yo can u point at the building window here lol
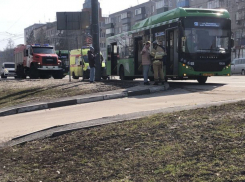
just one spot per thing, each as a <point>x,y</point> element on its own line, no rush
<point>108,20</point>
<point>137,11</point>
<point>161,4</point>
<point>125,28</point>
<point>215,4</point>
<point>124,15</point>
<point>109,31</point>
<point>182,3</point>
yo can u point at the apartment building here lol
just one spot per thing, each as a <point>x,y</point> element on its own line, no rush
<point>28,30</point>
<point>122,21</point>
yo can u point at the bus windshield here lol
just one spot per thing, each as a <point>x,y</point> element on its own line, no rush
<point>43,50</point>
<point>206,40</point>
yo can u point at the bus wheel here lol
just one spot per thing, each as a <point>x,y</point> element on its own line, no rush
<point>121,73</point>
<point>243,72</point>
<point>74,76</point>
<point>202,79</point>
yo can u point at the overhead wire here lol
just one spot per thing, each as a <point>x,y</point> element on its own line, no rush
<point>11,35</point>
<point>32,5</point>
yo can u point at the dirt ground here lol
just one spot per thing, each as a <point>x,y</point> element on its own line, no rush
<point>196,145</point>
<point>14,92</point>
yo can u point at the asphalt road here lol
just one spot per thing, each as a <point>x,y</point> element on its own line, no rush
<point>181,94</point>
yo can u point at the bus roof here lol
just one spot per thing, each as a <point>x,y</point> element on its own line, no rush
<point>173,16</point>
<point>181,12</point>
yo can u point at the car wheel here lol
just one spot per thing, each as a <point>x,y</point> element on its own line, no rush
<point>243,72</point>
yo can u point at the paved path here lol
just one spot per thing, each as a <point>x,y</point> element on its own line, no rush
<point>182,94</point>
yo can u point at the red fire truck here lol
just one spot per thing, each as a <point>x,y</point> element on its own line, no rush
<point>37,61</point>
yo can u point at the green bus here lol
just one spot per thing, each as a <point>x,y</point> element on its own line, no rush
<point>197,41</point>
<point>63,56</point>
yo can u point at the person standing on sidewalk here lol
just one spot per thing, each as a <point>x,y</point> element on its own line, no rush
<point>91,60</point>
<point>146,62</point>
<point>157,53</point>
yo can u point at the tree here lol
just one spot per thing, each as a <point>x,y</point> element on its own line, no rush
<point>10,44</point>
<point>31,39</point>
<point>41,37</point>
<point>8,53</point>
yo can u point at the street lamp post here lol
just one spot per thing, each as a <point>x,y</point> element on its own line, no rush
<point>95,35</point>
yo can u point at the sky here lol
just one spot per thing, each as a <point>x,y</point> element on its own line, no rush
<point>16,15</point>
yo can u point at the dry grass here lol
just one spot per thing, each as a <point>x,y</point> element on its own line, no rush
<point>14,92</point>
<point>197,145</point>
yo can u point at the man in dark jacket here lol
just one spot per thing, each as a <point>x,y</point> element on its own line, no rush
<point>91,60</point>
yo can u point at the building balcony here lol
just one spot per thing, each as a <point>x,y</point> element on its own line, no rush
<point>109,35</point>
<point>139,17</point>
<point>126,27</point>
<point>126,20</point>
<point>162,10</point>
<point>109,25</point>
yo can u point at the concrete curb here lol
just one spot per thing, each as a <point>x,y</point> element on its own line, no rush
<point>68,102</point>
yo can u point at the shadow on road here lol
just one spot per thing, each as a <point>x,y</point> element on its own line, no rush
<point>178,88</point>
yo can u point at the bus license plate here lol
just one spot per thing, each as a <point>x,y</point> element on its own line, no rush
<point>208,74</point>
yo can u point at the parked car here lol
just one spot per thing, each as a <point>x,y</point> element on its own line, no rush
<point>8,70</point>
<point>238,66</point>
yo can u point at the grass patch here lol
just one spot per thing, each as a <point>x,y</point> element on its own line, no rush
<point>197,145</point>
<point>26,91</point>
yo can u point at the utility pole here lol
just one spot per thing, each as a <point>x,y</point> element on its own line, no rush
<point>95,35</point>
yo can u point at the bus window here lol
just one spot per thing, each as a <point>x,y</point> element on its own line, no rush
<point>115,49</point>
<point>109,49</point>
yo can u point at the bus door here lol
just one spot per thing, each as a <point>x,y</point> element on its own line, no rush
<point>138,46</point>
<point>172,52</point>
<point>113,55</point>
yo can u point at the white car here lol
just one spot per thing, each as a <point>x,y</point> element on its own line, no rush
<point>238,66</point>
<point>8,70</point>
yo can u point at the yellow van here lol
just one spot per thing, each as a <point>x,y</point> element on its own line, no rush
<point>79,64</point>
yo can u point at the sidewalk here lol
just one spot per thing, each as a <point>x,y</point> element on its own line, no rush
<point>133,91</point>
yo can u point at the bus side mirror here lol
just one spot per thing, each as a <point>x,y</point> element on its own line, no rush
<point>232,43</point>
<point>59,53</point>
